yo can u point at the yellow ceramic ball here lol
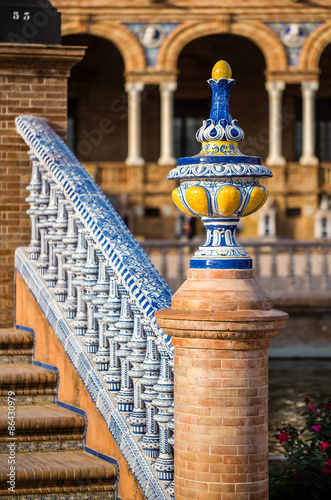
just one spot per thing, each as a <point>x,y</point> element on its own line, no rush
<point>196,199</point>
<point>221,70</point>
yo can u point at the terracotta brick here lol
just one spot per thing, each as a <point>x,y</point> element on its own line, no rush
<point>234,375</point>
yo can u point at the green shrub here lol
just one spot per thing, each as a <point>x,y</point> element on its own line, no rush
<point>306,472</point>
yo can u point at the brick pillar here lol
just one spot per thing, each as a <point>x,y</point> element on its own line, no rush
<point>221,322</point>
<point>33,79</point>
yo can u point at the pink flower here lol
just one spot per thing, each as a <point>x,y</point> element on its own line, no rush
<point>298,477</point>
<point>316,428</point>
<point>311,407</point>
<point>283,438</point>
<point>307,400</point>
<point>327,469</point>
<point>324,445</point>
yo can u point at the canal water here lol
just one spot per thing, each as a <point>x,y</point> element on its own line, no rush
<point>290,381</point>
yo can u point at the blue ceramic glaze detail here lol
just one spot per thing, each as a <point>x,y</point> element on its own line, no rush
<point>193,160</point>
<point>220,184</point>
<point>219,170</point>
<point>221,263</point>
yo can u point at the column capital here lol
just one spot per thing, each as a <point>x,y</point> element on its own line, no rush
<point>168,86</point>
<point>133,87</point>
<point>275,86</point>
<point>309,87</point>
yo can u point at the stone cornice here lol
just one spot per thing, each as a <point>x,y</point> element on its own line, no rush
<point>157,15</point>
<point>54,60</point>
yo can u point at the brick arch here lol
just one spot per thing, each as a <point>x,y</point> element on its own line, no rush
<point>262,36</point>
<point>125,41</point>
<point>312,50</point>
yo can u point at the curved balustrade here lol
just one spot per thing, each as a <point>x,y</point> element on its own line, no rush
<point>107,291</point>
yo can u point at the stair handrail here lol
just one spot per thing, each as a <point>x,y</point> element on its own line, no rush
<point>107,290</point>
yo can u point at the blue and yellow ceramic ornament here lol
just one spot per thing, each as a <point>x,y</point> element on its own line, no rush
<point>220,184</point>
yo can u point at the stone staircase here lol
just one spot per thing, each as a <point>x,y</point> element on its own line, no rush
<point>48,456</point>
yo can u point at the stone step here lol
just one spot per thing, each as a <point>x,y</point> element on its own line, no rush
<point>48,441</point>
<point>75,471</point>
<point>26,379</point>
<point>15,346</point>
<point>42,428</point>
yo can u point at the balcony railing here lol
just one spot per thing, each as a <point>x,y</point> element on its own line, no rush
<point>99,291</point>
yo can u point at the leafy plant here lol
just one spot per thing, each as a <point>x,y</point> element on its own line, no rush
<point>306,472</point>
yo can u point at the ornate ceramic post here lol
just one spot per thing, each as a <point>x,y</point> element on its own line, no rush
<point>113,308</point>
<point>80,323</point>
<point>151,441</point>
<point>124,398</point>
<point>137,345</point>
<point>61,225</point>
<point>70,240</point>
<point>35,188</point>
<point>102,289</point>
<point>220,321</point>
<point>43,201</point>
<point>91,272</point>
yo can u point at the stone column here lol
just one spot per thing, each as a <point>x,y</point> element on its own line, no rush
<point>167,90</point>
<point>275,90</point>
<point>221,323</point>
<point>134,90</point>
<point>308,90</point>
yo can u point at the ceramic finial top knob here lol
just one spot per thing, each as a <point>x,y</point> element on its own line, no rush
<point>221,69</point>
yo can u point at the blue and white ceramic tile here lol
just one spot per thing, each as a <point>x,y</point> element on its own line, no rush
<point>151,37</point>
<point>93,380</point>
<point>125,254</point>
<point>293,36</point>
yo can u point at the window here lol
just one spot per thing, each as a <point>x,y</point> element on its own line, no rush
<point>152,212</point>
<point>293,212</point>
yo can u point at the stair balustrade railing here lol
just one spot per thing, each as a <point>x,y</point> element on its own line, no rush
<point>99,291</point>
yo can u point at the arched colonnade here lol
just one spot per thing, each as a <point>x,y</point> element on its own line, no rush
<point>165,74</point>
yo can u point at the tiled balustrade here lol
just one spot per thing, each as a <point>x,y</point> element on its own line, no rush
<point>99,292</point>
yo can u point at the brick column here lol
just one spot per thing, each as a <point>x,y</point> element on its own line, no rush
<point>221,322</point>
<point>33,79</point>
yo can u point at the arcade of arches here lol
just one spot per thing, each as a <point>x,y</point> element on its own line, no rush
<point>127,128</point>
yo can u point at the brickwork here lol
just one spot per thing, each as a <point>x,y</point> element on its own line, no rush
<point>221,404</point>
<point>221,323</point>
<point>118,34</point>
<point>33,79</point>
<point>313,48</point>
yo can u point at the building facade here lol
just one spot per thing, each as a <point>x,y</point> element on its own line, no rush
<point>135,101</point>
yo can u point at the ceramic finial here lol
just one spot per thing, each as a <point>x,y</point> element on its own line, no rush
<point>221,69</point>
